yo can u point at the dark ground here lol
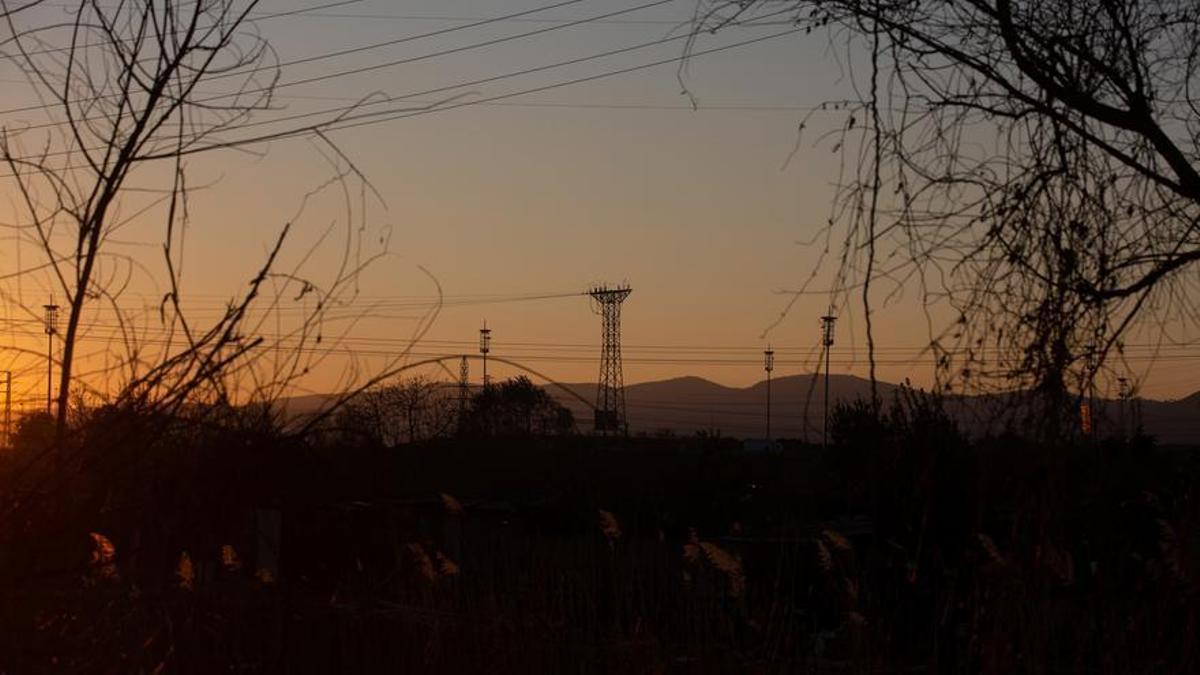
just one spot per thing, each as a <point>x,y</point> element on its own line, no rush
<point>902,548</point>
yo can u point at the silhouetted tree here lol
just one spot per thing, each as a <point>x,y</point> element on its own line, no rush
<point>33,433</point>
<point>126,93</point>
<point>517,407</point>
<point>1034,164</point>
<point>125,87</point>
<point>408,411</point>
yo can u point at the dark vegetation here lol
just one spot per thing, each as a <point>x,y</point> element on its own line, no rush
<point>903,547</point>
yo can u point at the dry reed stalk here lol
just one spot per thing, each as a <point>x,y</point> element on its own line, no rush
<point>824,557</point>
<point>837,540</point>
<point>610,527</point>
<point>729,564</point>
<point>453,506</point>
<point>103,558</point>
<point>423,562</point>
<point>989,546</point>
<point>1173,551</point>
<point>229,558</point>
<point>185,572</point>
<point>446,566</point>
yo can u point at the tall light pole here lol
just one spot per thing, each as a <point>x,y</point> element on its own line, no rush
<point>768,365</point>
<point>1087,406</point>
<point>1125,392</point>
<point>827,322</point>
<point>485,346</point>
<point>51,328</point>
<point>8,408</point>
<point>464,392</point>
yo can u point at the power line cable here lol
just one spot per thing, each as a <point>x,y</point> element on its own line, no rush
<point>1147,350</point>
<point>354,71</point>
<point>379,117</point>
<point>341,112</point>
<point>256,19</point>
<point>378,45</point>
<point>290,344</point>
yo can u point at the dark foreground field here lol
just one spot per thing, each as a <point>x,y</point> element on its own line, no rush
<point>900,549</point>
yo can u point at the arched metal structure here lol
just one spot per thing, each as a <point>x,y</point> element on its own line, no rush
<point>440,361</point>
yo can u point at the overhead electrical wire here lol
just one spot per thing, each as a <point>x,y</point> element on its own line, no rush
<point>252,70</point>
<point>254,19</point>
<point>406,98</point>
<point>364,347</point>
<point>341,117</point>
<point>369,119</point>
<point>444,18</point>
<point>1137,350</point>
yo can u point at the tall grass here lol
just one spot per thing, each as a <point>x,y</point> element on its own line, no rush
<point>926,554</point>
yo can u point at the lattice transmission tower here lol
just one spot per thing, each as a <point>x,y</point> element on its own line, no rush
<point>610,391</point>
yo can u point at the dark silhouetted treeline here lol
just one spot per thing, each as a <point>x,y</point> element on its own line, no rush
<point>150,544</point>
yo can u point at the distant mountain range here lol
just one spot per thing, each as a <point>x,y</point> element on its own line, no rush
<point>686,405</point>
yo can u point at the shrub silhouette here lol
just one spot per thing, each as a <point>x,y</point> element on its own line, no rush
<point>34,432</point>
<point>517,407</point>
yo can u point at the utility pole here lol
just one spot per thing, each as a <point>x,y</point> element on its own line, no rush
<point>1135,410</point>
<point>768,365</point>
<point>1123,393</point>
<point>827,323</point>
<point>485,346</point>
<point>610,391</point>
<point>51,328</point>
<point>464,392</point>
<point>1087,407</point>
<point>7,408</point>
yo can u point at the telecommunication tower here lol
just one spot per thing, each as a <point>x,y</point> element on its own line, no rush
<point>827,323</point>
<point>610,392</point>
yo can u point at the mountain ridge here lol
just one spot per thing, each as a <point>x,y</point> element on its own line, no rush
<point>688,404</point>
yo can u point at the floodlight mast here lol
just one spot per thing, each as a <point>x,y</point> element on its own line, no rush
<point>827,323</point>
<point>51,327</point>
<point>485,346</point>
<point>768,365</point>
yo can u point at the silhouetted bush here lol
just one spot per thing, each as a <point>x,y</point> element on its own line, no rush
<point>33,432</point>
<point>516,407</point>
<point>902,547</point>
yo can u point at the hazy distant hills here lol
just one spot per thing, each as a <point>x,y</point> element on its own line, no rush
<point>686,405</point>
<point>689,404</point>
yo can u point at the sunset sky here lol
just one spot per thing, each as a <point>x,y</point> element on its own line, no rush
<point>504,201</point>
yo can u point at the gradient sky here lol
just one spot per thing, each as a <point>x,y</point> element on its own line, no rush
<point>614,180</point>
